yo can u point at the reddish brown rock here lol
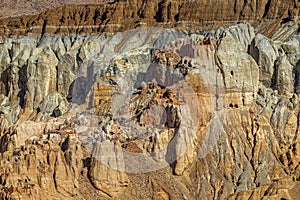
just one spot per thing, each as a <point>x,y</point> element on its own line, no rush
<point>124,15</point>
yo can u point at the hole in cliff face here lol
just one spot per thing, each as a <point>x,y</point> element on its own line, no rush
<point>56,112</point>
<point>151,139</point>
<point>231,105</point>
<point>231,73</point>
<point>104,16</point>
<point>159,16</point>
<point>176,17</point>
<point>86,162</point>
<point>172,118</point>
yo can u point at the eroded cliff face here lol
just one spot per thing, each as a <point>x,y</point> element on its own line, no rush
<point>152,113</point>
<point>123,15</point>
<point>16,8</point>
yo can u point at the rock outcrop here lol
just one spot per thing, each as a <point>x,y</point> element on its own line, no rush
<point>41,168</point>
<point>124,15</point>
<point>107,169</point>
<point>150,113</point>
<point>16,8</point>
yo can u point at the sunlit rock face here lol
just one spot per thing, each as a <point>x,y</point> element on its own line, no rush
<point>150,113</point>
<point>98,16</point>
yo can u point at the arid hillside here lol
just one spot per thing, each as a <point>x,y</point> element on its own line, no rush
<point>150,99</point>
<point>123,15</point>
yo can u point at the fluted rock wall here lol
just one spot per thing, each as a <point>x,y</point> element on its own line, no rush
<point>124,15</point>
<point>217,114</point>
<point>151,113</point>
<point>16,8</point>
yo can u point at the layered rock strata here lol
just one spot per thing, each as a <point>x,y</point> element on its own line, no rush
<point>151,113</point>
<point>124,15</point>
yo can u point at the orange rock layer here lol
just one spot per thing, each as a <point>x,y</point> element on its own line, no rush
<point>123,15</point>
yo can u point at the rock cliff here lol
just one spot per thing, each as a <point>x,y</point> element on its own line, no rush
<point>123,15</point>
<point>151,113</point>
<point>15,8</point>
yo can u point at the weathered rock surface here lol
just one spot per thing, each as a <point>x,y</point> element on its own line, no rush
<point>53,105</point>
<point>240,70</point>
<point>15,8</point>
<point>107,168</point>
<point>151,113</point>
<point>42,168</point>
<point>124,15</point>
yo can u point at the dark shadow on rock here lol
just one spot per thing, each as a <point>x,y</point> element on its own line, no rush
<point>56,112</point>
<point>70,92</point>
<point>79,90</point>
<point>171,155</point>
<point>81,86</point>
<point>186,50</point>
<point>297,77</point>
<point>4,80</point>
<point>22,83</point>
<point>163,75</point>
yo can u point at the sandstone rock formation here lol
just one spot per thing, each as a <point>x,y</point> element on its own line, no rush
<point>123,15</point>
<point>13,8</point>
<point>151,113</point>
